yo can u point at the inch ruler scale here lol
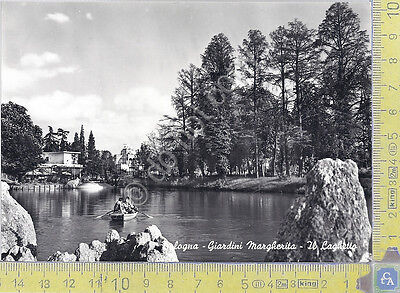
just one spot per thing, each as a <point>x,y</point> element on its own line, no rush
<point>180,277</point>
<point>212,277</point>
<point>386,127</point>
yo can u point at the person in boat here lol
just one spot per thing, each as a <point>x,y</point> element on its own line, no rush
<point>119,206</point>
<point>129,206</point>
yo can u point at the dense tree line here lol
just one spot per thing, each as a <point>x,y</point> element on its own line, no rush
<point>21,141</point>
<point>22,145</point>
<point>273,107</point>
<point>95,162</point>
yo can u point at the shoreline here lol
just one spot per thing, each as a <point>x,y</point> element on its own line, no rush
<point>43,186</point>
<point>294,185</point>
<point>291,185</point>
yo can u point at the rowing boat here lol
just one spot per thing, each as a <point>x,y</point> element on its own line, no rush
<point>123,217</point>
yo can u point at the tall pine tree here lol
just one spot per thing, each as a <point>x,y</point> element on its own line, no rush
<point>279,57</point>
<point>91,147</point>
<point>303,70</point>
<point>75,146</point>
<point>93,164</point>
<point>185,102</point>
<point>254,61</point>
<point>346,67</point>
<point>51,141</point>
<point>219,68</point>
<point>63,137</point>
<point>82,147</point>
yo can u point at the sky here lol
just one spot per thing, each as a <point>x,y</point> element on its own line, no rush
<point>113,66</point>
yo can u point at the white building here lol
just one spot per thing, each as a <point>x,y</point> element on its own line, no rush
<point>124,161</point>
<point>64,162</point>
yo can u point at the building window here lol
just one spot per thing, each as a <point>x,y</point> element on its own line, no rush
<point>74,159</point>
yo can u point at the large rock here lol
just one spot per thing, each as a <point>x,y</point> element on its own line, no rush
<point>26,255</point>
<point>160,251</point>
<point>98,248</point>
<point>17,228</point>
<point>18,253</point>
<point>8,258</point>
<point>85,254</point>
<point>149,246</point>
<point>333,211</point>
<point>62,257</point>
<point>112,236</point>
<point>154,232</point>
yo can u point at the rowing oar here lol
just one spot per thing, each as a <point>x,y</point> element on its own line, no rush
<point>98,217</point>
<point>146,215</point>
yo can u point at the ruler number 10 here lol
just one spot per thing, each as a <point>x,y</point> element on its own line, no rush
<point>392,8</point>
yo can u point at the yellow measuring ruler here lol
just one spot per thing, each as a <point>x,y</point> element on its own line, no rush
<point>386,126</point>
<point>179,277</point>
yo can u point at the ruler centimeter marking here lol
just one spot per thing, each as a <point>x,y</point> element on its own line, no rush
<point>386,126</point>
<point>155,277</point>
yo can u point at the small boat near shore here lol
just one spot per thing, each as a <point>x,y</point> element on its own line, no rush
<point>123,217</point>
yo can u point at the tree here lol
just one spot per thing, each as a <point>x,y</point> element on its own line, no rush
<point>56,141</point>
<point>279,62</point>
<point>254,61</point>
<point>93,164</point>
<point>189,88</point>
<point>270,119</point>
<point>317,121</point>
<point>178,127</point>
<point>63,138</point>
<point>303,61</point>
<point>21,141</point>
<point>75,146</point>
<point>91,147</point>
<point>303,96</point>
<point>107,165</point>
<point>185,102</point>
<point>346,68</point>
<point>364,118</point>
<point>51,141</point>
<point>82,147</point>
<point>141,157</point>
<point>219,68</point>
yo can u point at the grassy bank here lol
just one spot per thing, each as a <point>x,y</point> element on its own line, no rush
<point>263,184</point>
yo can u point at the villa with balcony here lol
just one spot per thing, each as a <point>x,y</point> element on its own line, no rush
<point>62,164</point>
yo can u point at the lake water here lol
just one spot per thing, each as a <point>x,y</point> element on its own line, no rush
<point>65,218</point>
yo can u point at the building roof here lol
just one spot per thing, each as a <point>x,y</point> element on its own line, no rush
<point>79,166</point>
<point>62,152</point>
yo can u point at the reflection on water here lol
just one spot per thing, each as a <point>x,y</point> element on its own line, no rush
<point>64,218</point>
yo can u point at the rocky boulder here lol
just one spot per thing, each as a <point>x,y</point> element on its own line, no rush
<point>148,246</point>
<point>84,253</point>
<point>18,237</point>
<point>332,217</point>
<point>112,236</point>
<point>18,253</point>
<point>98,248</point>
<point>62,257</point>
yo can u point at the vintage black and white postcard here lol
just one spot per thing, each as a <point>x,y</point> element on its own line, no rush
<point>186,131</point>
